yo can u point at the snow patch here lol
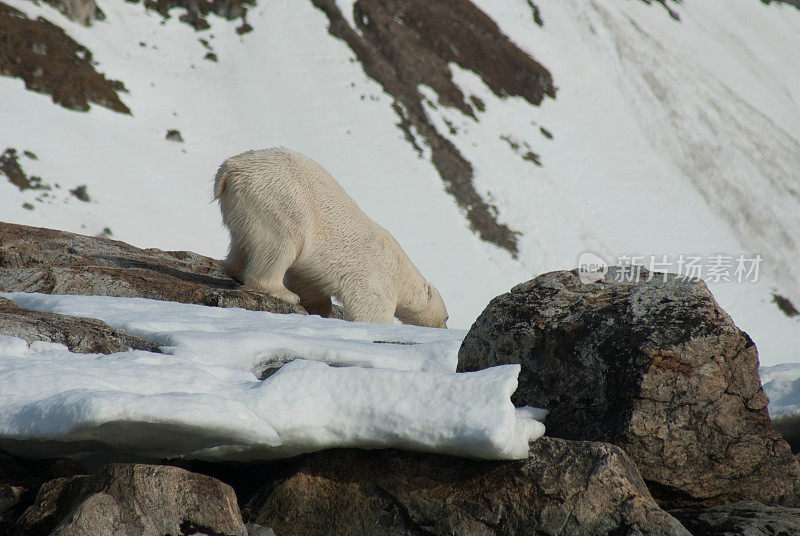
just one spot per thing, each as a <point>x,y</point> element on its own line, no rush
<point>344,385</point>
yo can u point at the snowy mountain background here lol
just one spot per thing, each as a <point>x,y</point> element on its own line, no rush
<point>627,128</point>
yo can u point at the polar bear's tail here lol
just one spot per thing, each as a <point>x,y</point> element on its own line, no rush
<point>221,180</point>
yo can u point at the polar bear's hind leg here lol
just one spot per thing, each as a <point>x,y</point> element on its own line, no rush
<point>265,271</point>
<point>235,263</point>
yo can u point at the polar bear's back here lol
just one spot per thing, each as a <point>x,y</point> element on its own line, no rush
<point>279,194</point>
<point>288,183</point>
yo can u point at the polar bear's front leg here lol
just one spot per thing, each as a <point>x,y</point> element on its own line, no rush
<point>371,307</point>
<point>312,296</point>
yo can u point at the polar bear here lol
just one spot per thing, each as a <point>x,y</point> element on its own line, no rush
<point>297,236</point>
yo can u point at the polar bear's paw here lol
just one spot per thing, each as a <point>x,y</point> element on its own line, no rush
<point>277,291</point>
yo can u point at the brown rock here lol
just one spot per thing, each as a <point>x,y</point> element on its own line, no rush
<point>132,499</point>
<point>34,259</point>
<point>746,518</point>
<point>20,480</point>
<point>405,44</point>
<point>196,12</point>
<point>565,487</point>
<point>82,335</point>
<point>50,61</point>
<point>656,367</point>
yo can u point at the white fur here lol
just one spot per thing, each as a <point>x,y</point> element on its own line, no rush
<point>298,236</point>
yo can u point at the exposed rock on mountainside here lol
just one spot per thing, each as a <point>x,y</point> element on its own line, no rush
<point>141,500</point>
<point>82,335</point>
<point>666,4</point>
<point>656,367</point>
<point>564,487</point>
<point>10,167</point>
<point>795,3</point>
<point>49,261</point>
<point>81,11</point>
<point>197,11</point>
<point>49,61</point>
<point>403,45</point>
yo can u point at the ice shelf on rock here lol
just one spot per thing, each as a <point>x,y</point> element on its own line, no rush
<point>338,384</point>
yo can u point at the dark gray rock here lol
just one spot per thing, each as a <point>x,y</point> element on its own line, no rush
<point>133,499</point>
<point>9,497</point>
<point>254,529</point>
<point>174,135</point>
<point>740,519</point>
<point>34,259</point>
<point>789,428</point>
<point>82,335</point>
<point>80,193</point>
<point>20,480</point>
<point>656,367</point>
<point>564,487</point>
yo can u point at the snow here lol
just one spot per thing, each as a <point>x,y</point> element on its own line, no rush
<point>341,384</point>
<point>782,385</point>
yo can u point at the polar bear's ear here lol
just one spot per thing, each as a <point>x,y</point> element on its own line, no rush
<point>429,288</point>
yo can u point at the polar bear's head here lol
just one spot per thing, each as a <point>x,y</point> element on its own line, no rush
<point>430,311</point>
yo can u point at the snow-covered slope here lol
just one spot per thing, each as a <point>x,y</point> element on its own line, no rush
<point>665,137</point>
<point>782,384</point>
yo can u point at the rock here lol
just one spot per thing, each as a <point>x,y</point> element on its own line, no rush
<point>656,367</point>
<point>34,259</point>
<point>80,193</point>
<point>564,487</point>
<point>9,498</point>
<point>133,499</point>
<point>405,44</point>
<point>789,427</point>
<point>745,518</point>
<point>20,480</point>
<point>197,12</point>
<point>81,11</point>
<point>254,529</point>
<point>50,61</point>
<point>82,335</point>
<point>174,135</point>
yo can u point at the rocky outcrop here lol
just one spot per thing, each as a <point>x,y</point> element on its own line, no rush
<point>564,487</point>
<point>653,365</point>
<point>33,259</point>
<point>789,428</point>
<point>50,61</point>
<point>81,11</point>
<point>82,335</point>
<point>746,518</point>
<point>20,480</point>
<point>404,45</point>
<point>196,12</point>
<point>140,500</point>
